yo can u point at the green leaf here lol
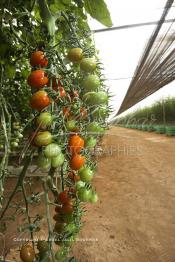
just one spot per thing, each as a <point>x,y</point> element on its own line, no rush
<point>99,11</point>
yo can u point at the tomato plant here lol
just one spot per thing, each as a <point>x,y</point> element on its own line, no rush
<point>49,46</point>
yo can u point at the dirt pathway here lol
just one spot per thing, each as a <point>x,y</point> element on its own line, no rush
<point>134,220</point>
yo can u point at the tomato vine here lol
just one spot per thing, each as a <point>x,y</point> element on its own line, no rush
<point>54,106</point>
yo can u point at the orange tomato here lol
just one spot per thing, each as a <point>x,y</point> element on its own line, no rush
<point>76,143</point>
<point>27,253</point>
<point>37,79</point>
<point>77,161</point>
<point>38,59</point>
<point>40,100</point>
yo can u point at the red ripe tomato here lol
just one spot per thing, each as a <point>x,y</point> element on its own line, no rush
<point>67,208</point>
<point>37,79</point>
<point>76,143</point>
<point>38,59</point>
<point>64,197</point>
<point>62,93</point>
<point>27,253</point>
<point>39,100</point>
<point>77,161</point>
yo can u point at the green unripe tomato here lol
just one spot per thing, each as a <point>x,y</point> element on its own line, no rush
<point>75,54</point>
<point>91,83</point>
<point>93,197</point>
<point>95,98</point>
<point>71,125</point>
<point>19,135</point>
<point>88,65</point>
<point>60,255</point>
<point>79,184</point>
<point>69,241</point>
<point>57,161</point>
<point>94,127</point>
<point>52,150</point>
<point>86,174</point>
<point>70,227</point>
<point>43,162</point>
<point>44,120</point>
<point>42,246</point>
<point>16,127</point>
<point>43,138</point>
<point>84,194</point>
<point>100,112</point>
<point>90,142</point>
<point>14,144</point>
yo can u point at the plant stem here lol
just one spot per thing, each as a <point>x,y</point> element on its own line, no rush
<point>27,210</point>
<point>72,29</point>
<point>19,182</point>
<point>48,220</point>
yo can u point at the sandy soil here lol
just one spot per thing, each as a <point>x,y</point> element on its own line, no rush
<point>134,220</point>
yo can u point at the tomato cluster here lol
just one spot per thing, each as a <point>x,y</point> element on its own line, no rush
<point>81,128</point>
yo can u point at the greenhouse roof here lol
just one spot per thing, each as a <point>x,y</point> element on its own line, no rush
<point>122,47</point>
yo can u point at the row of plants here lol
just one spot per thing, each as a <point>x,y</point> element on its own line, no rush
<point>54,104</point>
<point>157,113</point>
<point>160,129</point>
